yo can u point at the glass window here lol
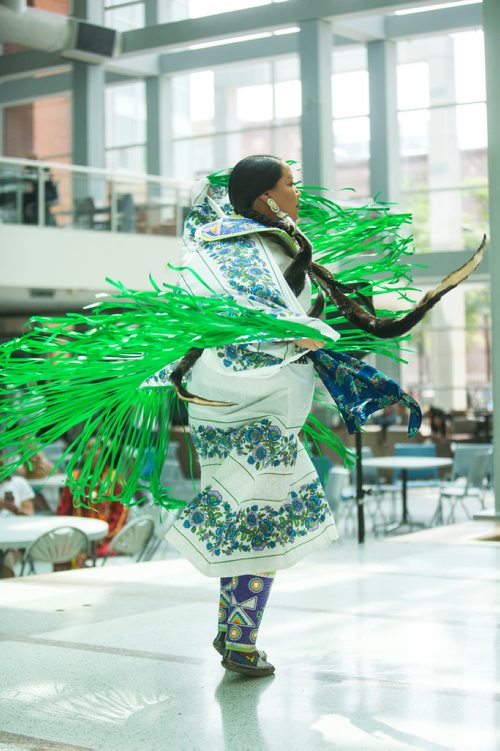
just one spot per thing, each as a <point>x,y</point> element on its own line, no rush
<point>132,158</point>
<point>443,139</point>
<point>352,139</point>
<point>351,122</point>
<point>254,103</point>
<point>219,116</point>
<point>470,80</point>
<point>126,126</point>
<point>288,99</point>
<point>463,331</point>
<point>124,15</point>
<point>125,114</point>
<point>201,96</point>
<point>413,86</point>
<point>350,94</point>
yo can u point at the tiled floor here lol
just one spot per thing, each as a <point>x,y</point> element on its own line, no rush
<point>393,645</point>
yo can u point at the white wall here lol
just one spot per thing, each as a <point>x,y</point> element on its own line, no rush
<point>57,259</point>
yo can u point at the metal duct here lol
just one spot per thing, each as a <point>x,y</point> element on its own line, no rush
<point>34,28</point>
<point>52,32</point>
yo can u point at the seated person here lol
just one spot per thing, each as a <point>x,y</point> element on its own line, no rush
<point>439,424</point>
<point>387,416</point>
<point>112,512</point>
<point>16,497</point>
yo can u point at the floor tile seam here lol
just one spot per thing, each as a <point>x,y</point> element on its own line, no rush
<point>100,649</point>
<point>328,677</point>
<point>42,743</point>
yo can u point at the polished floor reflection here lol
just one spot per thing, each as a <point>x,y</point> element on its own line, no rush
<point>392,646</point>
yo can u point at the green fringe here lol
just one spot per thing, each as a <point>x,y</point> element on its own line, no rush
<point>54,378</point>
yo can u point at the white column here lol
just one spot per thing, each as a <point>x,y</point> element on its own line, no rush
<point>491,16</point>
<point>315,51</point>
<point>384,132</point>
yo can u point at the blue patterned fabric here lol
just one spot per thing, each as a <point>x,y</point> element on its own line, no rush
<point>359,389</point>
<point>245,598</point>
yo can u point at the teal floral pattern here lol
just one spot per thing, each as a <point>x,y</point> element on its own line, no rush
<point>240,265</point>
<point>242,356</point>
<point>262,443</point>
<point>224,530</point>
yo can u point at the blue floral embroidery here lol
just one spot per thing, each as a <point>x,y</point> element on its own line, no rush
<point>263,444</point>
<point>241,266</point>
<point>224,530</point>
<point>242,357</point>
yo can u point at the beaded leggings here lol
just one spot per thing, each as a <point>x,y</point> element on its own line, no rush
<point>241,607</point>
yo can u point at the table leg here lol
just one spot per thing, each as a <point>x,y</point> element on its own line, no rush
<point>406,524</point>
<point>404,491</point>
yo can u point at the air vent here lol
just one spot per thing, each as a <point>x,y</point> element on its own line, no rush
<point>35,292</point>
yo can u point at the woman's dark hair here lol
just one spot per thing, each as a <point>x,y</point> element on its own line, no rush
<point>251,177</point>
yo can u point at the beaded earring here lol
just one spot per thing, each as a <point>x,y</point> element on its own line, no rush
<point>273,206</point>
<point>285,218</point>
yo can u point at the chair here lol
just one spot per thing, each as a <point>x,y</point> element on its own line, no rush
<point>341,494</point>
<point>60,545</point>
<point>464,457</point>
<point>162,520</point>
<point>132,539</point>
<point>456,493</point>
<point>417,478</point>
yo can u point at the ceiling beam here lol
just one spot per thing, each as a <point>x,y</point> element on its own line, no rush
<point>24,63</point>
<point>252,49</point>
<point>434,22</point>
<point>252,20</point>
<point>28,89</point>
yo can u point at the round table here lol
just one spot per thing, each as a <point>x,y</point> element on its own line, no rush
<point>405,464</point>
<point>17,532</point>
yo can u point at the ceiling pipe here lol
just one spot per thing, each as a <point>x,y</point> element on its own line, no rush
<point>53,32</point>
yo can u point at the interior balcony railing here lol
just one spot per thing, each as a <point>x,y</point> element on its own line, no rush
<point>68,196</point>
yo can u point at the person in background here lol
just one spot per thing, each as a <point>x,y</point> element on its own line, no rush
<point>112,512</point>
<point>16,498</point>
<point>31,192</point>
<point>439,424</point>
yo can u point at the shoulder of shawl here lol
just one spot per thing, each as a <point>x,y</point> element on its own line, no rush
<point>234,226</point>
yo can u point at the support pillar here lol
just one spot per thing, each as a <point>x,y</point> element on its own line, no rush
<point>315,52</point>
<point>384,144</point>
<point>88,123</point>
<point>491,18</point>
<point>384,131</point>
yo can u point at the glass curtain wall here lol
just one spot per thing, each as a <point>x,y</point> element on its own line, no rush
<point>443,139</point>
<point>221,115</point>
<point>466,342</point>
<point>351,122</point>
<point>124,15</point>
<point>126,126</point>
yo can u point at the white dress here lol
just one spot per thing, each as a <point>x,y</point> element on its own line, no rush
<point>261,506</point>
